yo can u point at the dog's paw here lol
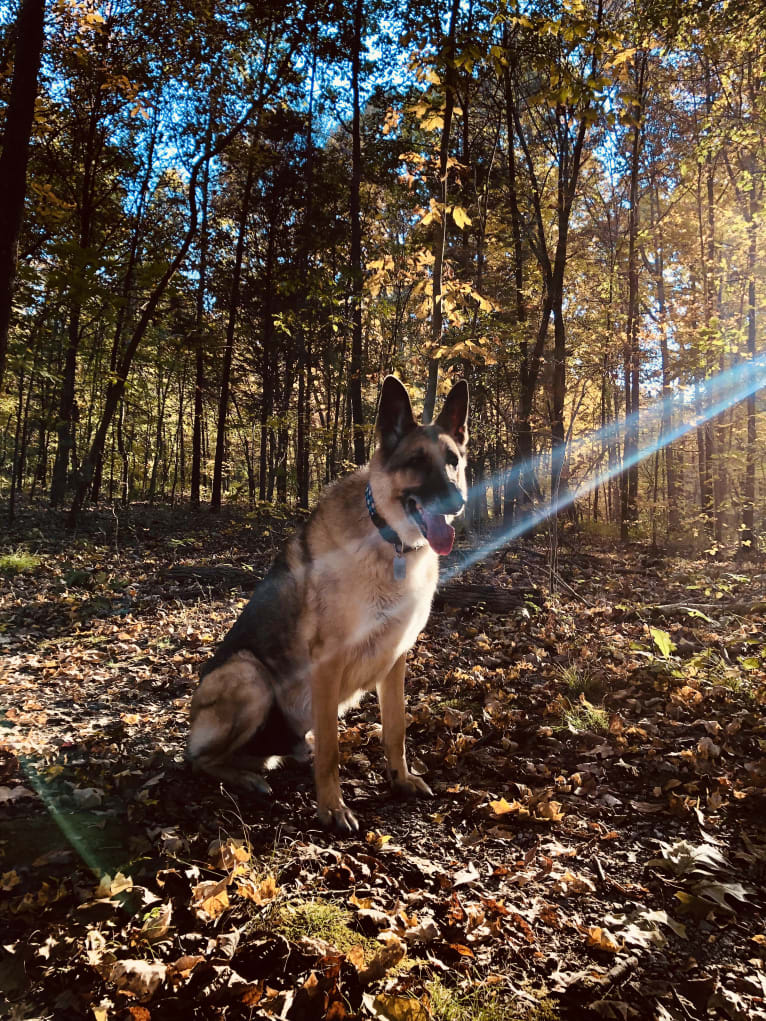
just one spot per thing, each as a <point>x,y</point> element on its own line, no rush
<point>410,786</point>
<point>254,782</point>
<point>340,818</point>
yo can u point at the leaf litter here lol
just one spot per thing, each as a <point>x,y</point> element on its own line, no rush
<point>596,846</point>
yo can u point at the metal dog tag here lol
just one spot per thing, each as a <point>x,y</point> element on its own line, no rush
<point>400,567</point>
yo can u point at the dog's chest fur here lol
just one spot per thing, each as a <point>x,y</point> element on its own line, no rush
<point>381,621</point>
<point>374,618</point>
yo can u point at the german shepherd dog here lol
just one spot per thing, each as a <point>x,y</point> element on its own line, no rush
<point>338,611</point>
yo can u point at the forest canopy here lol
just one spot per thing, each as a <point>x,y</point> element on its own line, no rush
<point>227,222</point>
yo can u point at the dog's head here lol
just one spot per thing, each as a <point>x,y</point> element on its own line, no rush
<point>418,474</point>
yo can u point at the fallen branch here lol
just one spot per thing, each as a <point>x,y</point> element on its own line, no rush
<point>487,597</point>
<point>220,576</point>
<point>680,610</point>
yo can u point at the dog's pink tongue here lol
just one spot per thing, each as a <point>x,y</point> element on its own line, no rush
<point>440,535</point>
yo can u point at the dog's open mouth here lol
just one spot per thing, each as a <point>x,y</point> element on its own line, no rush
<point>435,527</point>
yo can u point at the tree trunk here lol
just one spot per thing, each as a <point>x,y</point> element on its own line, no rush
<point>116,387</point>
<point>747,532</point>
<point>629,479</point>
<point>515,495</point>
<point>199,338</point>
<point>302,464</point>
<point>357,282</point>
<point>19,115</point>
<point>440,227</point>
<point>223,402</point>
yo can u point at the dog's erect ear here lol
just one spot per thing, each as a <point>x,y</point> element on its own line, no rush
<point>454,415</point>
<point>395,418</point>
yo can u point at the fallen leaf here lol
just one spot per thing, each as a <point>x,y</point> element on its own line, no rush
<point>140,978</point>
<point>157,923</point>
<point>258,892</point>
<point>503,807</point>
<point>396,1008</point>
<point>210,898</point>
<point>225,854</point>
<point>602,939</point>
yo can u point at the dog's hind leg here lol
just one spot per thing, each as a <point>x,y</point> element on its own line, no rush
<point>228,707</point>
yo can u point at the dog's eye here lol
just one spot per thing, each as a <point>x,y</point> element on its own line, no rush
<point>451,458</point>
<point>416,461</point>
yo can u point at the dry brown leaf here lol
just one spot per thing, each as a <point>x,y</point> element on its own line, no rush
<point>550,810</point>
<point>258,892</point>
<point>503,807</point>
<point>157,925</point>
<point>225,854</point>
<point>210,898</point>
<point>180,970</point>
<point>397,1008</point>
<point>602,939</point>
<point>141,979</point>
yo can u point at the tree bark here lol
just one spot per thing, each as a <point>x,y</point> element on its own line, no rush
<point>19,116</point>
<point>747,532</point>
<point>228,355</point>
<point>357,281</point>
<point>199,320</point>
<point>632,355</point>
<point>68,402</point>
<point>116,387</point>
<point>440,229</point>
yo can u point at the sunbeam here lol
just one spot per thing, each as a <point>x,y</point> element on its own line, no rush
<point>714,396</point>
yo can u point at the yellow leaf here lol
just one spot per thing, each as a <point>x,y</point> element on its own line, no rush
<point>9,879</point>
<point>225,854</point>
<point>109,887</point>
<point>461,218</point>
<point>377,840</point>
<point>602,939</point>
<point>398,1008</point>
<point>503,807</point>
<point>210,899</point>
<point>550,810</point>
<point>623,56</point>
<point>258,893</point>
<point>365,903</point>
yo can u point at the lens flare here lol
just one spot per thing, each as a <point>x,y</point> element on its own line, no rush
<point>696,404</point>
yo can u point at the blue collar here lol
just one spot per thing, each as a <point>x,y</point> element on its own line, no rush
<point>386,531</point>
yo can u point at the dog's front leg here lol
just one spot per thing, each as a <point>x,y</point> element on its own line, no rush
<point>332,809</point>
<point>391,698</point>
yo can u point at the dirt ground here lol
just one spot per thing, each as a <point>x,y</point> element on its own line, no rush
<point>596,846</point>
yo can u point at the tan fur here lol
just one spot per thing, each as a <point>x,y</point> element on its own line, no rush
<point>354,624</point>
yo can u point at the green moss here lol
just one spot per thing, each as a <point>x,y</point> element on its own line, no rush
<point>321,919</point>
<point>483,1003</point>
<point>18,562</point>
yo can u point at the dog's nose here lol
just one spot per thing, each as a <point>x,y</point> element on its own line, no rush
<point>450,502</point>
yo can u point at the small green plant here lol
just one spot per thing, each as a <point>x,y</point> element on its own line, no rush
<point>482,1003</point>
<point>18,562</point>
<point>581,682</point>
<point>582,715</point>
<point>711,668</point>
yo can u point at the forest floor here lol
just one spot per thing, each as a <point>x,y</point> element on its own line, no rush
<point>596,846</point>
